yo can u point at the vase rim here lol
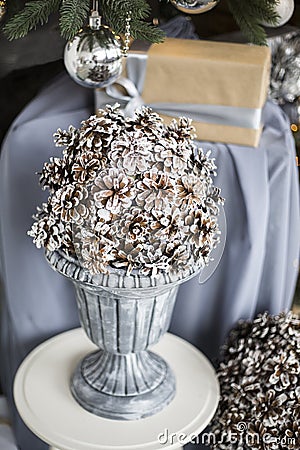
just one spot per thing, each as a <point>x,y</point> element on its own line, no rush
<point>70,267</point>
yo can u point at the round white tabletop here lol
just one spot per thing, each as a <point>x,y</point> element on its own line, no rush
<point>45,403</point>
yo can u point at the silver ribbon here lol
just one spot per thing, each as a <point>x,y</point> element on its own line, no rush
<point>213,114</point>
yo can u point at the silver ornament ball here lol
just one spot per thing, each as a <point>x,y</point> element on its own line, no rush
<point>284,9</point>
<point>94,57</point>
<point>194,6</point>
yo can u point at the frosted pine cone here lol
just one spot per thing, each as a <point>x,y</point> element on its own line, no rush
<point>63,138</point>
<point>68,239</point>
<point>68,203</point>
<point>113,190</point>
<point>189,189</point>
<point>147,122</point>
<point>285,369</point>
<point>168,224</point>
<point>97,133</point>
<point>86,168</point>
<point>113,113</point>
<point>155,190</point>
<point>47,231</point>
<point>131,152</point>
<point>200,228</point>
<point>171,156</point>
<point>152,258</point>
<point>292,434</point>
<point>181,131</point>
<point>269,407</point>
<point>95,251</point>
<point>55,174</point>
<point>127,256</point>
<point>203,166</point>
<point>96,258</point>
<point>178,257</point>
<point>133,226</point>
<point>102,228</point>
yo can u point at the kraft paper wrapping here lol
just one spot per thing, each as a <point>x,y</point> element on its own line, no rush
<point>212,73</point>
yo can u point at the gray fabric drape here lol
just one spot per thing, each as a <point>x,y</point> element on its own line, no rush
<point>257,272</point>
<point>36,303</point>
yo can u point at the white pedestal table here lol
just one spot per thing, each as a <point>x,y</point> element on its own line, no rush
<point>46,405</point>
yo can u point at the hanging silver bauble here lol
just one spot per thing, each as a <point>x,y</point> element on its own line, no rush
<point>194,6</point>
<point>94,57</point>
<point>284,9</point>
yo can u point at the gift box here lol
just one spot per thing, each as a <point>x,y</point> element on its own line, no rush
<point>221,86</point>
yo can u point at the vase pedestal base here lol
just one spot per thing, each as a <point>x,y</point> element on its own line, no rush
<point>44,401</point>
<point>123,387</point>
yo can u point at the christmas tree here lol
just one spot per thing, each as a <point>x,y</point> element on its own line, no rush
<point>73,15</point>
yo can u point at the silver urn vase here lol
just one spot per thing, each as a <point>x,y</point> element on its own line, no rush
<point>122,315</point>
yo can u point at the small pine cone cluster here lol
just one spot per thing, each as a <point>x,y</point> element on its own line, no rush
<point>260,386</point>
<point>132,194</point>
<point>49,231</point>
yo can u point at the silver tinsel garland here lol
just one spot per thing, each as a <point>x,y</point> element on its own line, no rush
<point>285,73</point>
<point>260,386</point>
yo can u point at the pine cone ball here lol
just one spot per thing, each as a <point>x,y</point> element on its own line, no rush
<point>260,385</point>
<point>131,194</point>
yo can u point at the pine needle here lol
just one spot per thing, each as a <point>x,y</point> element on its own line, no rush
<point>73,14</point>
<point>116,11</point>
<point>34,13</point>
<point>249,15</point>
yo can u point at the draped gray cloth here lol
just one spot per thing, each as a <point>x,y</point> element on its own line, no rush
<point>257,272</point>
<point>37,303</point>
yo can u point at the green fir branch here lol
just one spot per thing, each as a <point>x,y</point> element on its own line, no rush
<point>262,11</point>
<point>34,13</point>
<point>73,15</point>
<point>250,14</point>
<point>115,13</point>
<point>147,32</point>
